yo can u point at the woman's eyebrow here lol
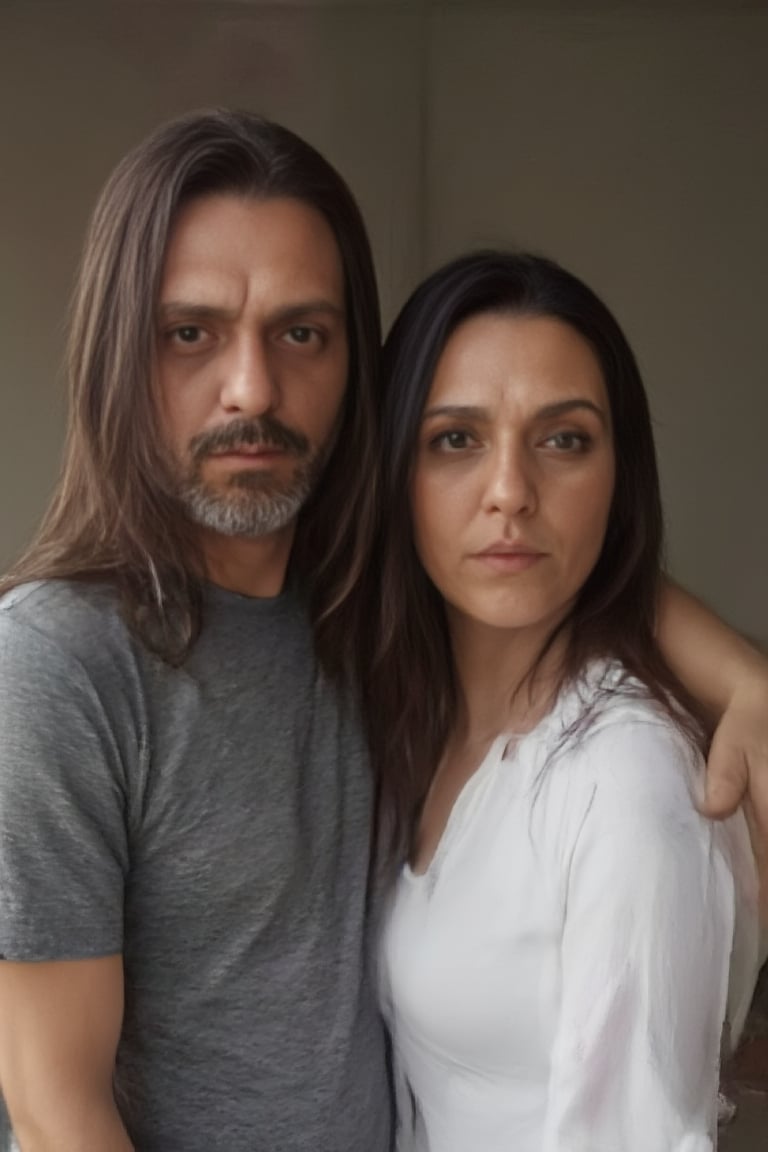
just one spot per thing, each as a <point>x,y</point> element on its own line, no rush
<point>548,411</point>
<point>562,407</point>
<point>466,411</point>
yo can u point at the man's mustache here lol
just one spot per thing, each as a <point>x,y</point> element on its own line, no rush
<point>266,431</point>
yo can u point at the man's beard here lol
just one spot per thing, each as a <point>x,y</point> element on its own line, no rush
<point>252,502</point>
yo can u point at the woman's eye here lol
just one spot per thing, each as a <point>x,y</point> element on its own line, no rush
<point>453,441</point>
<point>568,441</point>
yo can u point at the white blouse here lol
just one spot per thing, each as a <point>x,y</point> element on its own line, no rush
<point>557,980</point>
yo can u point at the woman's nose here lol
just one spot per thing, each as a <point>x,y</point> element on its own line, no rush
<point>511,486</point>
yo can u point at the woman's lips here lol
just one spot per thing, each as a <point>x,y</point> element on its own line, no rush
<point>509,560</point>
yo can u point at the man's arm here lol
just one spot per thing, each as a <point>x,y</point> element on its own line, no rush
<point>61,1025</point>
<point>65,755</point>
<point>730,678</point>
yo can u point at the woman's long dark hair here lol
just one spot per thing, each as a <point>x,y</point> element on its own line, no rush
<point>114,515</point>
<point>405,658</point>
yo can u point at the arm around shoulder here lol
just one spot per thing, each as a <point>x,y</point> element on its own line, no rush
<point>61,1026</point>
<point>730,678</point>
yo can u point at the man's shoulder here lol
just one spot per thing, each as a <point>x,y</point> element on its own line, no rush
<point>59,593</point>
<point>78,618</point>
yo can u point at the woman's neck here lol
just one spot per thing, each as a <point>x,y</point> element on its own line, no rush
<point>500,685</point>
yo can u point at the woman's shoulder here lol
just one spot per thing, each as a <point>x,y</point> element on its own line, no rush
<point>608,735</point>
<point>606,703</point>
<point>605,693</point>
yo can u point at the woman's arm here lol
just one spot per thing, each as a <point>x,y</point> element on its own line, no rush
<point>730,678</point>
<point>649,921</point>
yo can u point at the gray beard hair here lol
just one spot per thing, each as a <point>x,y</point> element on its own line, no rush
<point>251,505</point>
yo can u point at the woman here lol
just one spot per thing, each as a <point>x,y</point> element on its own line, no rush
<point>556,955</point>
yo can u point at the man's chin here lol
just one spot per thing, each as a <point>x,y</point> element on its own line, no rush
<point>235,514</point>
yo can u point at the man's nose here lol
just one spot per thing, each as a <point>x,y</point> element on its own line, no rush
<point>511,481</point>
<point>249,381</point>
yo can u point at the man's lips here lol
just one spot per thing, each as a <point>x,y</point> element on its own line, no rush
<point>265,439</point>
<point>253,452</point>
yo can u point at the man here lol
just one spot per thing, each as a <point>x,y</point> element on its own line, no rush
<point>184,802</point>
<point>185,819</point>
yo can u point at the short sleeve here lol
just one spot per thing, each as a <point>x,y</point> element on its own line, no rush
<point>649,919</point>
<point>63,838</point>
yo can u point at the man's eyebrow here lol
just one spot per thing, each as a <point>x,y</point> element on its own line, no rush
<point>308,308</point>
<point>549,411</point>
<point>167,309</point>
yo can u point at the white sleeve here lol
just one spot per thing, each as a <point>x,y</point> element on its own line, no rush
<point>646,944</point>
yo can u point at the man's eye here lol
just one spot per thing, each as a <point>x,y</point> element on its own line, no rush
<point>301,334</point>
<point>186,333</point>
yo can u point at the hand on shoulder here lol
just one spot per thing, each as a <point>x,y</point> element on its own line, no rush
<point>737,770</point>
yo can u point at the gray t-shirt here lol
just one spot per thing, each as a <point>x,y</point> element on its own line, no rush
<point>212,823</point>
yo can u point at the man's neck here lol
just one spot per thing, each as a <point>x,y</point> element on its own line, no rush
<point>249,565</point>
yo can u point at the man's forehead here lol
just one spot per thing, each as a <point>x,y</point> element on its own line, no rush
<point>225,248</point>
<point>256,225</point>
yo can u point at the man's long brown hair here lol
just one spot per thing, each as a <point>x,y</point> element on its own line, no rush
<point>113,515</point>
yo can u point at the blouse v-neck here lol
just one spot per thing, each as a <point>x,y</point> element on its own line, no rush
<point>460,815</point>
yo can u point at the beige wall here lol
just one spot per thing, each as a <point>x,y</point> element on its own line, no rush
<point>627,139</point>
